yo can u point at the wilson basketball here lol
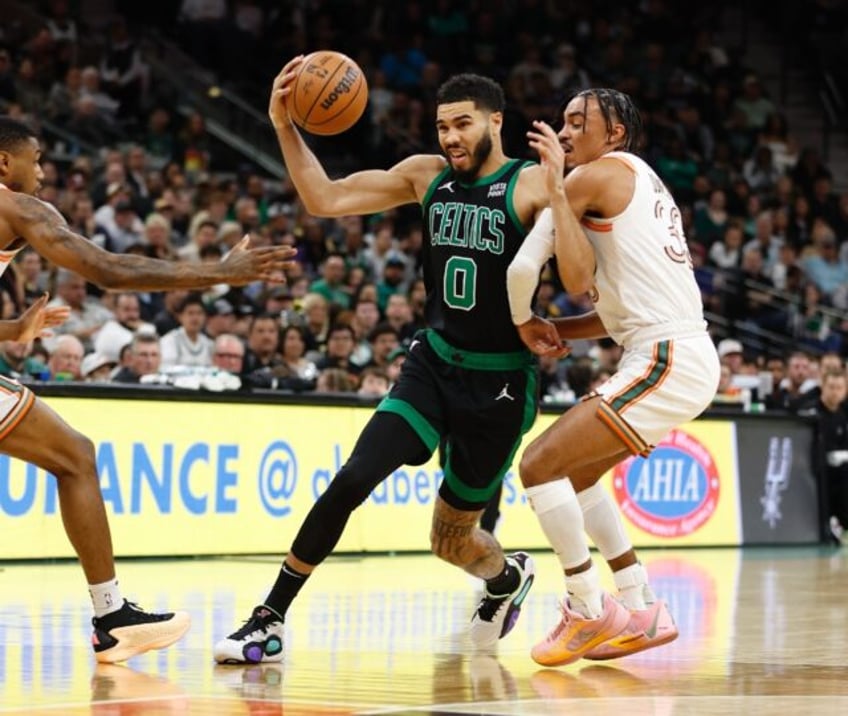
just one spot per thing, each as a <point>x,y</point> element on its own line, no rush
<point>329,93</point>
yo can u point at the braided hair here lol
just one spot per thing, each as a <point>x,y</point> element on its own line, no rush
<point>615,106</point>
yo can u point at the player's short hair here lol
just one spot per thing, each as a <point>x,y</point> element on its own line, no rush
<point>14,133</point>
<point>483,91</point>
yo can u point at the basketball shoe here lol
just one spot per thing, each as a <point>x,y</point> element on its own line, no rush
<point>260,639</point>
<point>130,630</point>
<point>647,628</point>
<point>575,635</point>
<point>497,614</point>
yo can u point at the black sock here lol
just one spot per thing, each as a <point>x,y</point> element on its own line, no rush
<point>285,589</point>
<point>505,582</point>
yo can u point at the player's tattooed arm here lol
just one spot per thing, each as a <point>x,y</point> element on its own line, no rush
<point>49,234</point>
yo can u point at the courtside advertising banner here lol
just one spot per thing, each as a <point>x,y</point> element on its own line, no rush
<point>685,491</point>
<point>192,478</point>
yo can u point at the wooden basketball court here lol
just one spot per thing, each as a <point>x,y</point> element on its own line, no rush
<point>762,632</point>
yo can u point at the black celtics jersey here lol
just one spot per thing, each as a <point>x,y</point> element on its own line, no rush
<point>471,234</point>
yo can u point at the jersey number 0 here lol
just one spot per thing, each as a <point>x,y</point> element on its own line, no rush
<point>460,289</point>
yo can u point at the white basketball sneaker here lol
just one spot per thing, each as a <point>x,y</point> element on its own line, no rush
<point>497,613</point>
<point>260,639</point>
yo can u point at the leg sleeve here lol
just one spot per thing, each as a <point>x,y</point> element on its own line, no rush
<point>387,442</point>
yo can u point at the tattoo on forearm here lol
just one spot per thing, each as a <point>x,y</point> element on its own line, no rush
<point>70,250</point>
<point>35,211</point>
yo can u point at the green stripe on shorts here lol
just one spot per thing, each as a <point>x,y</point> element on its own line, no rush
<point>660,367</point>
<point>428,434</point>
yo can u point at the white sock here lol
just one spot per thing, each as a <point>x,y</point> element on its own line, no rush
<point>633,588</point>
<point>605,527</point>
<point>603,522</point>
<point>106,597</point>
<point>556,507</point>
<point>584,593</point>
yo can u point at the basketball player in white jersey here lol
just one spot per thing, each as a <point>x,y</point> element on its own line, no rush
<point>616,233</point>
<point>31,431</point>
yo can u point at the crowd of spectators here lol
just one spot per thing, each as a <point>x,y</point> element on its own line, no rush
<point>766,229</point>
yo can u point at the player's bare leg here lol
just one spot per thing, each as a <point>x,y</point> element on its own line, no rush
<point>121,629</point>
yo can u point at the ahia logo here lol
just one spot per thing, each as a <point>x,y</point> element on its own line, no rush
<point>671,493</point>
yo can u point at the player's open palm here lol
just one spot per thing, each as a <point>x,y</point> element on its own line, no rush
<point>39,318</point>
<point>266,263</point>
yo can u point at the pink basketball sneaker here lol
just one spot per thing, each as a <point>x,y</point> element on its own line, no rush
<point>575,635</point>
<point>648,628</point>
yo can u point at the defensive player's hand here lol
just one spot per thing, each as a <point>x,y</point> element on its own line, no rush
<point>541,337</point>
<point>245,265</point>
<point>278,109</point>
<point>545,141</point>
<point>39,317</point>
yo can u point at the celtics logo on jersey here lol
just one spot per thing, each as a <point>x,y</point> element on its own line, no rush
<point>480,228</point>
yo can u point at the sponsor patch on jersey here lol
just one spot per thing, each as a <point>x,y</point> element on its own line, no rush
<point>673,492</point>
<point>497,189</point>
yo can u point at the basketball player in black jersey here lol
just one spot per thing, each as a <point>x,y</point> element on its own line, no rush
<point>468,382</point>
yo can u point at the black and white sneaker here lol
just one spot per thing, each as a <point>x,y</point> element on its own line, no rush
<point>259,640</point>
<point>496,615</point>
<point>131,630</point>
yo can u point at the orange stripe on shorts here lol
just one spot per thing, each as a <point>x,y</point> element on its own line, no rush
<point>631,439</point>
<point>19,412</point>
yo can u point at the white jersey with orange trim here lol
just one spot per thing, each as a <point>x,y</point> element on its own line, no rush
<point>647,298</point>
<point>645,288</point>
<point>6,256</point>
<point>16,400</point>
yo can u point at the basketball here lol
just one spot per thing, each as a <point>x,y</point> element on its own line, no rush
<point>329,93</point>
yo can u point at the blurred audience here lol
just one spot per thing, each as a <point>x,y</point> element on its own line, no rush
<point>766,225</point>
<point>144,358</point>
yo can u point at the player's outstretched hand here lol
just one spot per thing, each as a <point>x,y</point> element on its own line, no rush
<point>39,317</point>
<point>541,337</point>
<point>266,263</point>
